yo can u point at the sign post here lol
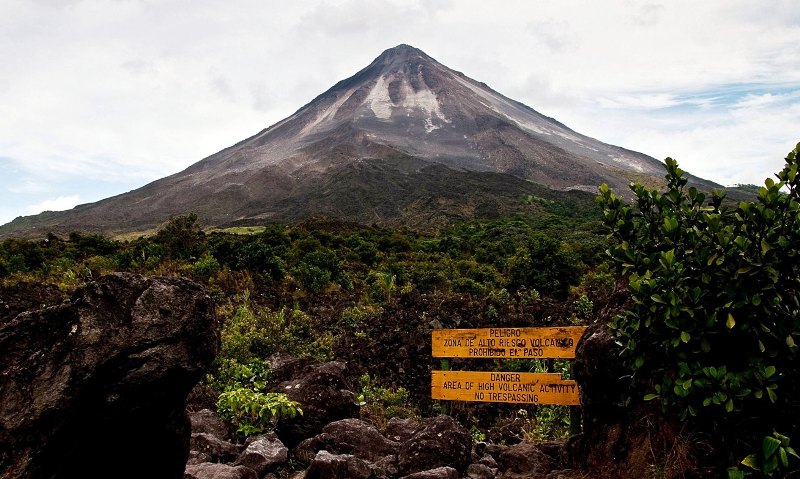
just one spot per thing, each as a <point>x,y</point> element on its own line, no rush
<point>505,343</point>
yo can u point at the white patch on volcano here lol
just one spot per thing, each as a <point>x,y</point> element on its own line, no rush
<point>424,99</point>
<point>629,162</point>
<point>379,101</point>
<point>329,113</point>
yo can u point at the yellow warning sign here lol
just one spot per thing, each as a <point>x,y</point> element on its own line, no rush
<point>510,387</point>
<point>507,343</point>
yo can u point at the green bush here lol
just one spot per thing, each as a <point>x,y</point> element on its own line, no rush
<point>380,404</point>
<point>254,412</point>
<point>715,313</point>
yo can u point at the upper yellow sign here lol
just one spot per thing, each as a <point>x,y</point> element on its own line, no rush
<point>507,343</point>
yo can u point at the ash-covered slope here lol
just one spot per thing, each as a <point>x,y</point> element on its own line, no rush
<point>403,132</point>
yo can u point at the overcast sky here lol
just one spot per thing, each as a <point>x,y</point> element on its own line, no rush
<point>101,97</point>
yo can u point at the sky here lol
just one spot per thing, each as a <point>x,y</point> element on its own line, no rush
<point>99,97</point>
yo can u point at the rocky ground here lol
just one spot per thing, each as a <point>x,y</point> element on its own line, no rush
<point>330,441</point>
<point>97,386</point>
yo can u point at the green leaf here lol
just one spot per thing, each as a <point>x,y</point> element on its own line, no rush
<point>650,397</point>
<point>790,341</point>
<point>751,461</point>
<point>784,459</point>
<point>765,247</point>
<point>769,371</point>
<point>729,406</point>
<point>685,337</point>
<point>791,452</point>
<point>769,445</point>
<point>658,299</point>
<point>772,396</point>
<point>735,473</point>
<point>730,323</point>
<point>783,439</point>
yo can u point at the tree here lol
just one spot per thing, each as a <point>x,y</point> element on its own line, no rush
<point>715,318</point>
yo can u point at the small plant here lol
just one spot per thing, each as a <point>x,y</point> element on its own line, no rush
<point>772,459</point>
<point>477,434</point>
<point>380,404</point>
<point>205,267</point>
<point>230,374</point>
<point>253,412</point>
<point>583,307</point>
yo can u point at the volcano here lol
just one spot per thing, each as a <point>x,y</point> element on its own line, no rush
<point>405,141</point>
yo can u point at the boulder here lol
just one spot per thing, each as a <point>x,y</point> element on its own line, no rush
<point>263,454</point>
<point>401,430</point>
<point>328,466</point>
<point>437,473</point>
<point>440,441</point>
<point>210,470</point>
<point>598,370</point>
<point>481,471</point>
<point>321,390</point>
<point>196,457</point>
<point>356,437</point>
<point>307,450</point>
<point>206,421</point>
<point>524,459</point>
<point>97,386</point>
<point>219,450</point>
<point>616,441</point>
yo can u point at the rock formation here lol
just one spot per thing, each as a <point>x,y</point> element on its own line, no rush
<point>96,387</point>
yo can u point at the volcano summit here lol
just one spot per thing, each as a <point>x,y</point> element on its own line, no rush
<point>406,140</point>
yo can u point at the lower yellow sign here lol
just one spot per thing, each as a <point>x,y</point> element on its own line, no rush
<point>525,388</point>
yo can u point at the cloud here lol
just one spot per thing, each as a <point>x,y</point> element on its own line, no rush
<point>56,204</point>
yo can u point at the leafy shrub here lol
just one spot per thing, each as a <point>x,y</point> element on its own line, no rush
<point>205,267</point>
<point>254,412</point>
<point>583,307</point>
<point>381,285</point>
<point>469,286</point>
<point>773,457</point>
<point>312,277</point>
<point>181,237</point>
<point>716,299</point>
<point>229,374</point>
<point>253,331</point>
<point>543,264</point>
<point>380,404</point>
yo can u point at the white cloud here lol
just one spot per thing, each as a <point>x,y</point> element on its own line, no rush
<point>56,204</point>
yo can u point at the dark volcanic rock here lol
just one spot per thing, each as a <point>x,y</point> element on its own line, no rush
<point>206,421</point>
<point>437,473</point>
<point>598,371</point>
<point>96,387</point>
<point>263,454</point>
<point>356,437</point>
<point>219,450</point>
<point>441,441</point>
<point>402,430</point>
<point>616,442</point>
<point>525,458</point>
<point>480,471</point>
<point>321,390</point>
<point>210,470</point>
<point>329,466</point>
